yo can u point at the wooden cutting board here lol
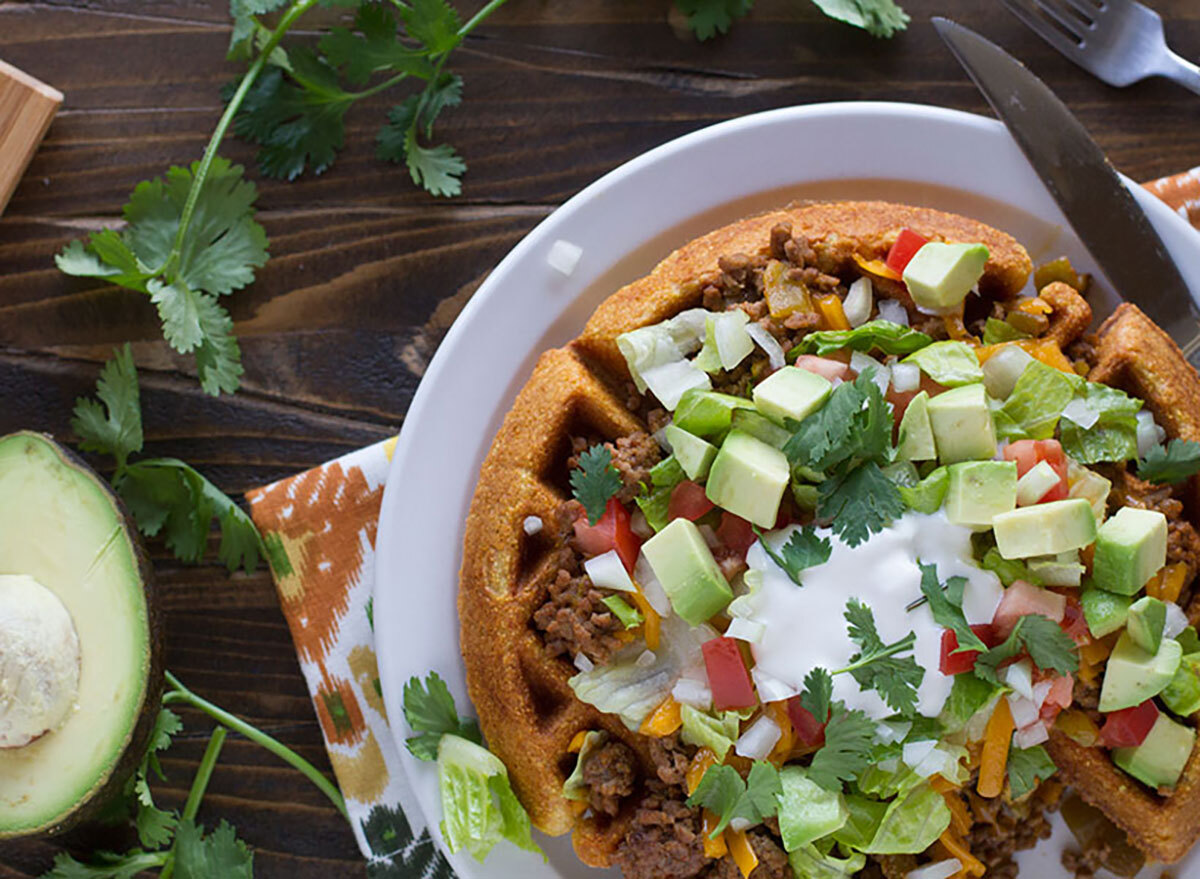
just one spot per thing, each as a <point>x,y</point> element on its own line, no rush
<point>26,108</point>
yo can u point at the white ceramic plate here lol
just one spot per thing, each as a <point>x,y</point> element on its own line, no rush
<point>626,222</point>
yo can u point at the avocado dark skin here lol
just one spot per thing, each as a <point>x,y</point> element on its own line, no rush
<point>113,787</point>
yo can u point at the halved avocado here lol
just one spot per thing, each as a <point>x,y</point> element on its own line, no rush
<point>62,530</point>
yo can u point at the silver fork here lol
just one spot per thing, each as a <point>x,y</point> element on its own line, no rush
<point>1119,41</point>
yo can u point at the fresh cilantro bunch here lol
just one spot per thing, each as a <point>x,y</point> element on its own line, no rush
<point>880,18</point>
<point>296,110</point>
<point>724,793</point>
<point>430,711</point>
<point>165,495</point>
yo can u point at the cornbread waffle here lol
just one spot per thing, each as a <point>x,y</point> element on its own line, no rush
<point>527,710</point>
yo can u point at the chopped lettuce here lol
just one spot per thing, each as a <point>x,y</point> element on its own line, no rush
<point>704,730</point>
<point>996,331</point>
<point>948,363</point>
<point>927,495</point>
<point>862,821</point>
<point>574,787</point>
<point>479,807</point>
<point>811,863</point>
<point>631,689</point>
<point>1114,435</point>
<point>888,337</point>
<point>807,811</point>
<point>968,695</point>
<point>664,476</point>
<point>666,342</point>
<point>912,823</point>
<point>1008,570</point>
<point>1032,409</point>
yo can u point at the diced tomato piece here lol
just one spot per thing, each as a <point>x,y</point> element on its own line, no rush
<point>904,249</point>
<point>1074,624</point>
<point>823,366</point>
<point>1022,599</point>
<point>1027,453</point>
<point>613,531</point>
<point>901,399</point>
<point>736,533</point>
<point>1062,691</point>
<point>953,663</point>
<point>1129,727</point>
<point>728,677</point>
<point>810,732</point>
<point>688,501</point>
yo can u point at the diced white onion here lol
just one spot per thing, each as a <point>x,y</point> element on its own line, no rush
<point>639,526</point>
<point>652,590</point>
<point>890,765</point>
<point>1081,412</point>
<point>689,691</point>
<point>940,870</point>
<point>745,630</point>
<point>881,377</point>
<point>756,742</point>
<point>1024,712</point>
<point>768,343</point>
<point>564,256</point>
<point>914,752</point>
<point>733,342</point>
<point>891,310</point>
<point>1040,692</point>
<point>771,689</point>
<point>668,381</point>
<point>1002,369</point>
<point>709,535</point>
<point>1019,677</point>
<point>608,572</point>
<point>1177,620</point>
<point>892,731</point>
<point>532,525</point>
<point>583,663</point>
<point>906,377</point>
<point>1034,734</point>
<point>645,659</point>
<point>936,762</point>
<point>739,824</point>
<point>1149,434</point>
<point>859,301</point>
<point>1035,483</point>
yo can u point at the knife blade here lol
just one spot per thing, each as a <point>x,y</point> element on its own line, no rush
<point>1101,210</point>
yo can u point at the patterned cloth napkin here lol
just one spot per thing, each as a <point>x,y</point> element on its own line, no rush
<point>325,520</point>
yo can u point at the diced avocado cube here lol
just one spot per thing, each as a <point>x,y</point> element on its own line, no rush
<point>1189,640</point>
<point>707,413</point>
<point>1045,529</point>
<point>694,455</point>
<point>748,478</point>
<point>941,275</point>
<point>1182,695</point>
<point>791,393</point>
<point>1147,616</point>
<point>689,574</point>
<point>1055,571</point>
<point>1130,548</point>
<point>962,425</point>
<point>1105,612</point>
<point>916,431</point>
<point>1160,759</point>
<point>761,427</point>
<point>978,491</point>
<point>1134,675</point>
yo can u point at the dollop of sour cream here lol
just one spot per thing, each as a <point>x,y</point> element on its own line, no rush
<point>804,627</point>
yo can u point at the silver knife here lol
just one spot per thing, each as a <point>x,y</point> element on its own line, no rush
<point>1104,214</point>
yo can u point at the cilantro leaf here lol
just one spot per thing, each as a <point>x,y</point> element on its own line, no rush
<point>818,691</point>
<point>219,254</point>
<point>879,18</point>
<point>107,865</point>
<point>854,425</point>
<point>432,23</point>
<point>804,549</point>
<point>723,792</point>
<point>1050,648</point>
<point>1026,768</point>
<point>707,18</point>
<point>849,737</point>
<point>1170,464</point>
<point>374,49</point>
<point>220,853</point>
<point>154,825</point>
<point>877,665</point>
<point>859,503</point>
<point>946,604</point>
<point>430,711</point>
<point>245,26</point>
<point>595,481</point>
<point>436,168</point>
<point>119,432</point>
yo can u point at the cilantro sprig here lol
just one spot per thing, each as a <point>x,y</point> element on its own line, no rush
<point>1050,648</point>
<point>1170,464</point>
<point>1026,768</point>
<point>880,18</point>
<point>849,739</point>
<point>430,711</point>
<point>165,495</point>
<point>723,792</point>
<point>879,666</point>
<point>595,481</point>
<point>804,549</point>
<point>946,603</point>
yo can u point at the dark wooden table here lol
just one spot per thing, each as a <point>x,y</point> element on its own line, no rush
<point>367,272</point>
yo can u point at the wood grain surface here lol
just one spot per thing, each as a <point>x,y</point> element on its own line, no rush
<point>367,272</point>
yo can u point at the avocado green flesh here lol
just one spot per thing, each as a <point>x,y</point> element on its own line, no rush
<point>59,525</point>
